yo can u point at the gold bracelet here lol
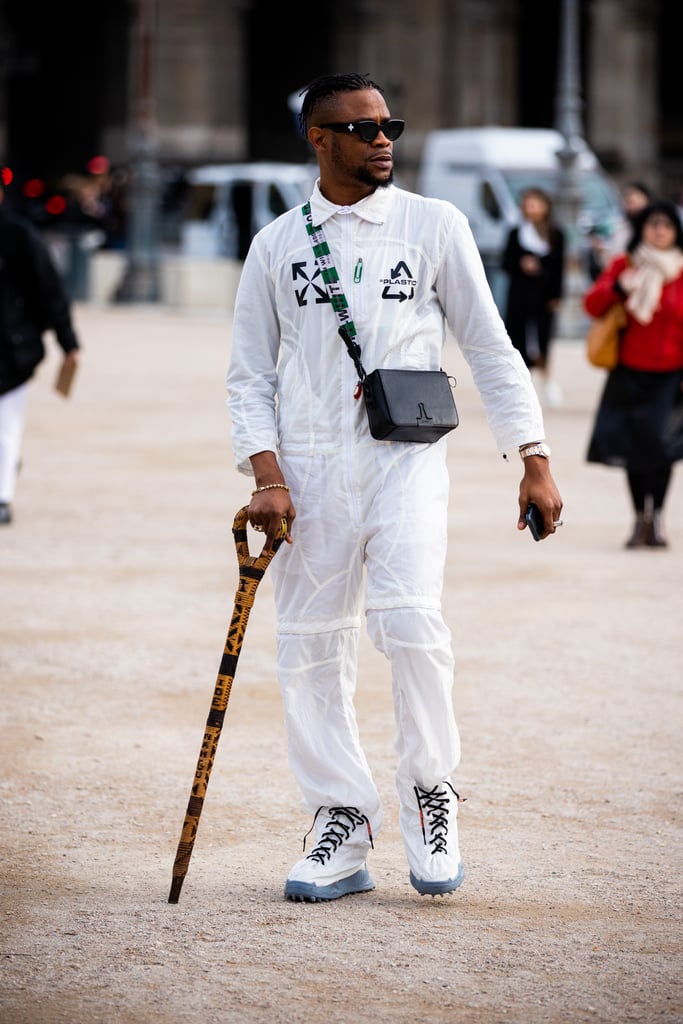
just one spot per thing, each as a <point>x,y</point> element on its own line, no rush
<point>268,487</point>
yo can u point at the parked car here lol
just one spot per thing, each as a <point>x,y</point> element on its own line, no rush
<point>483,172</point>
<point>226,204</point>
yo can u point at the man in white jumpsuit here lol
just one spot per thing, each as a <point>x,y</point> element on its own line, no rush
<point>371,515</point>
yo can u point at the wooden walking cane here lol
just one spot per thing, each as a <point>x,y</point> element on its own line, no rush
<point>251,571</point>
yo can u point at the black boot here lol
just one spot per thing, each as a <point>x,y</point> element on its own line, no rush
<point>655,537</point>
<point>641,530</point>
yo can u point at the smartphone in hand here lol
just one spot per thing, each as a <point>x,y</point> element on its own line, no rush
<point>534,520</point>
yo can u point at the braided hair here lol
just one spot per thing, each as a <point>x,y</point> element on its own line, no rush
<point>329,85</point>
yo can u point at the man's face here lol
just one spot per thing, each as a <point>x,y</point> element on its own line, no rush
<point>345,157</point>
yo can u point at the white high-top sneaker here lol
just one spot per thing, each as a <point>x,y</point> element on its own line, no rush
<point>336,865</point>
<point>430,836</point>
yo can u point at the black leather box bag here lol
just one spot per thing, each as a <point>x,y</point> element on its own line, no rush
<point>409,405</point>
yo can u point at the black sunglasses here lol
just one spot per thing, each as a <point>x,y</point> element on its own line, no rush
<point>368,130</point>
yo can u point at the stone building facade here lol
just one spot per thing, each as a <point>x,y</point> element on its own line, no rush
<point>210,80</point>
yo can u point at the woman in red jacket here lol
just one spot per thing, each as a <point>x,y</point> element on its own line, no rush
<point>639,423</point>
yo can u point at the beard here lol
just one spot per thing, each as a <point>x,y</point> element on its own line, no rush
<point>365,176</point>
<point>358,173</point>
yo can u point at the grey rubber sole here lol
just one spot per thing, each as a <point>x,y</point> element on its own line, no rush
<point>309,892</point>
<point>440,888</point>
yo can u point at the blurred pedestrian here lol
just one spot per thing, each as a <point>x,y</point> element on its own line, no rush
<point>86,208</point>
<point>596,254</point>
<point>534,262</point>
<point>639,422</point>
<point>635,196</point>
<point>32,300</point>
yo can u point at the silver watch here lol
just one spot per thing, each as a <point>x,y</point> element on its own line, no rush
<point>535,449</point>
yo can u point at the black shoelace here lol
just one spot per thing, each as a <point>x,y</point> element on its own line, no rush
<point>343,822</point>
<point>433,805</point>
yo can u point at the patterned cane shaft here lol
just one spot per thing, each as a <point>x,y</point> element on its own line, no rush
<point>251,571</point>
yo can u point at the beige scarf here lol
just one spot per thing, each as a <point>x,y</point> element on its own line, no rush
<point>650,270</point>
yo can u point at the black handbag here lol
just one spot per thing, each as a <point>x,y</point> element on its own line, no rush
<point>409,405</point>
<point>404,405</point>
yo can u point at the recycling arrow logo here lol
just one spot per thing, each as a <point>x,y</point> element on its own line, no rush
<point>400,284</point>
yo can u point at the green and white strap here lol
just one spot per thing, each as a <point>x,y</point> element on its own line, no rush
<point>323,257</point>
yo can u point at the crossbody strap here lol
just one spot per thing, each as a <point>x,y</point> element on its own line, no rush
<point>347,328</point>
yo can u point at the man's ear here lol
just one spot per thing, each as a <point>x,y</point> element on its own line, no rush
<point>316,137</point>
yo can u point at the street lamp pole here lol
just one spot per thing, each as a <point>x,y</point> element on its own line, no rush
<point>141,278</point>
<point>568,123</point>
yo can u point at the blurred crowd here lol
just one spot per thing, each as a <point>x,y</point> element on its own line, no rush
<point>93,202</point>
<point>635,285</point>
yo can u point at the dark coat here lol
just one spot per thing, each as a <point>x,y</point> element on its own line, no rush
<point>528,296</point>
<point>32,301</point>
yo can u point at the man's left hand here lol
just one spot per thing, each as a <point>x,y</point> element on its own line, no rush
<point>538,487</point>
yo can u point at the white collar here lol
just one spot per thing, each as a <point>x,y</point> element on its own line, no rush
<point>374,208</point>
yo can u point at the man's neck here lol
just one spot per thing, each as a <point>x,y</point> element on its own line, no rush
<point>345,195</point>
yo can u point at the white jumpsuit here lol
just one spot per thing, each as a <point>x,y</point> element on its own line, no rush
<point>371,531</point>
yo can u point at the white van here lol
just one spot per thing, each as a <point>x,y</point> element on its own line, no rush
<point>228,203</point>
<point>483,172</point>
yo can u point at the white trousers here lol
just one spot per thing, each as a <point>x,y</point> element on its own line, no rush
<point>12,416</point>
<point>370,525</point>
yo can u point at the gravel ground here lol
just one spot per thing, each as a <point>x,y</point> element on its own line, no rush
<point>118,578</point>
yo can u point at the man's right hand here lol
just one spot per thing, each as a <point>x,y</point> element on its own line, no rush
<point>271,501</point>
